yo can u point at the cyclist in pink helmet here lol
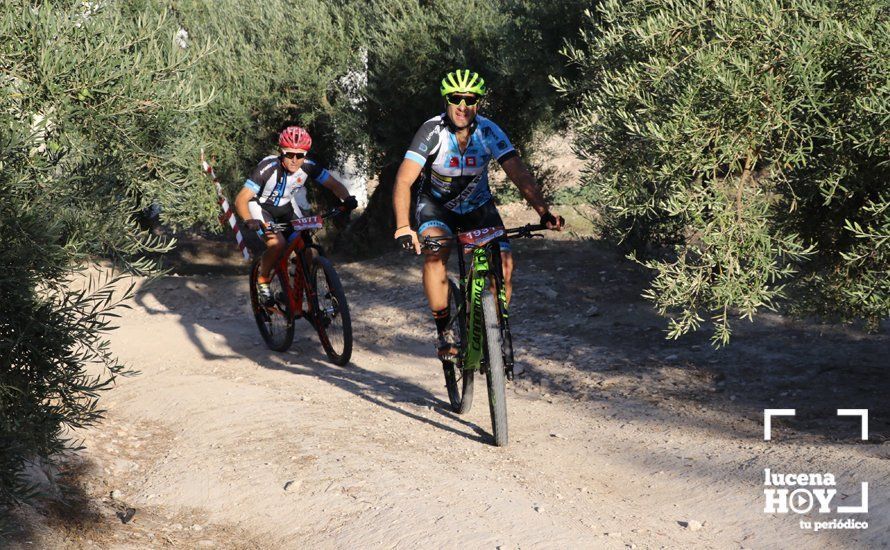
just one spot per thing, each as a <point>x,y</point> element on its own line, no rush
<point>294,139</point>
<point>275,191</point>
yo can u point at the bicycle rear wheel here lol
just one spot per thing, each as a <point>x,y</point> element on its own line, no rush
<point>276,321</point>
<point>458,382</point>
<point>495,376</point>
<point>332,321</point>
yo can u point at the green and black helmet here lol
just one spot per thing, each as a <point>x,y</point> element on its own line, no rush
<point>463,82</point>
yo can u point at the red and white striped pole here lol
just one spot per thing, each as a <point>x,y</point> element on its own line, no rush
<point>228,215</point>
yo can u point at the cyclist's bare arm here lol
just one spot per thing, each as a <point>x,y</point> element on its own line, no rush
<point>241,201</point>
<point>520,175</point>
<point>336,187</point>
<point>401,200</point>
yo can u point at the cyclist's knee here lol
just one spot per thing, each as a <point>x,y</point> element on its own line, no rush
<point>441,255</point>
<point>434,263</point>
<point>436,258</point>
<point>274,243</point>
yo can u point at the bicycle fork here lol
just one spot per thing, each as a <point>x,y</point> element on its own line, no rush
<point>497,282</point>
<point>478,280</point>
<point>475,324</point>
<point>506,337</point>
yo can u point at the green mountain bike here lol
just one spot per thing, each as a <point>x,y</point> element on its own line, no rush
<point>480,321</point>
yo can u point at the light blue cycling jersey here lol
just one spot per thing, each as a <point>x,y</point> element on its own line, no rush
<point>458,180</point>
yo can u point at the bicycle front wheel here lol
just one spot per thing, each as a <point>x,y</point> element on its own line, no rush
<point>458,382</point>
<point>332,320</point>
<point>496,375</point>
<point>275,320</point>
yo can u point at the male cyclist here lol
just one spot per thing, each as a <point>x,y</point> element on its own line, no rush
<point>274,191</point>
<point>452,151</point>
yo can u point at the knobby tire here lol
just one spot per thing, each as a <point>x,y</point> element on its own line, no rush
<point>458,382</point>
<point>333,322</point>
<point>276,322</point>
<point>496,375</point>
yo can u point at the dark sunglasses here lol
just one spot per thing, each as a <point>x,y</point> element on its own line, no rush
<point>468,100</point>
<point>297,156</point>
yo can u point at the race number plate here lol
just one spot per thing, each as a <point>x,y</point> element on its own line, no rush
<point>479,237</point>
<point>311,222</point>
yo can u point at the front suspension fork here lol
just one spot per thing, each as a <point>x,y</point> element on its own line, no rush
<point>506,337</point>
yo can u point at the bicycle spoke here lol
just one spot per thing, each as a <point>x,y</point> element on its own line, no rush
<point>329,315</point>
<point>332,316</point>
<point>275,321</point>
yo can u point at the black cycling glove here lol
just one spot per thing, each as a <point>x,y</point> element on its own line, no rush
<point>349,204</point>
<point>406,242</point>
<point>550,218</point>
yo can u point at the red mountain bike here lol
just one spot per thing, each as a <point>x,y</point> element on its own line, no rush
<point>304,284</point>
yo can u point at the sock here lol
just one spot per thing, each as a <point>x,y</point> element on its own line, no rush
<point>441,317</point>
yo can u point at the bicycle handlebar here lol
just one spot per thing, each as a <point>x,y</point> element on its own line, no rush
<point>526,230</point>
<point>279,227</point>
<point>434,244</point>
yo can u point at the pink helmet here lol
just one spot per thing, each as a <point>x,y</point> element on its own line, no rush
<point>293,137</point>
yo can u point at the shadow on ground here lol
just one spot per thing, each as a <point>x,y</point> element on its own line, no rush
<point>577,304</point>
<point>586,335</point>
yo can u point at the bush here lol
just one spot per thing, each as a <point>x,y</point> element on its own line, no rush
<point>82,148</point>
<point>412,44</point>
<point>264,77</point>
<point>104,109</point>
<point>750,137</point>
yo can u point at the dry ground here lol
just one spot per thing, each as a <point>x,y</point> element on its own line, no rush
<point>619,438</point>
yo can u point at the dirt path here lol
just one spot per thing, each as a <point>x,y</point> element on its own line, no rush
<point>619,438</point>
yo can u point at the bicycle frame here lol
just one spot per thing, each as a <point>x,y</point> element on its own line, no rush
<point>485,263</point>
<point>295,289</point>
<point>298,285</point>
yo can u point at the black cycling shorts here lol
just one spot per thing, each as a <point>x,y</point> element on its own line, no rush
<point>430,213</point>
<point>277,214</point>
<point>271,213</point>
